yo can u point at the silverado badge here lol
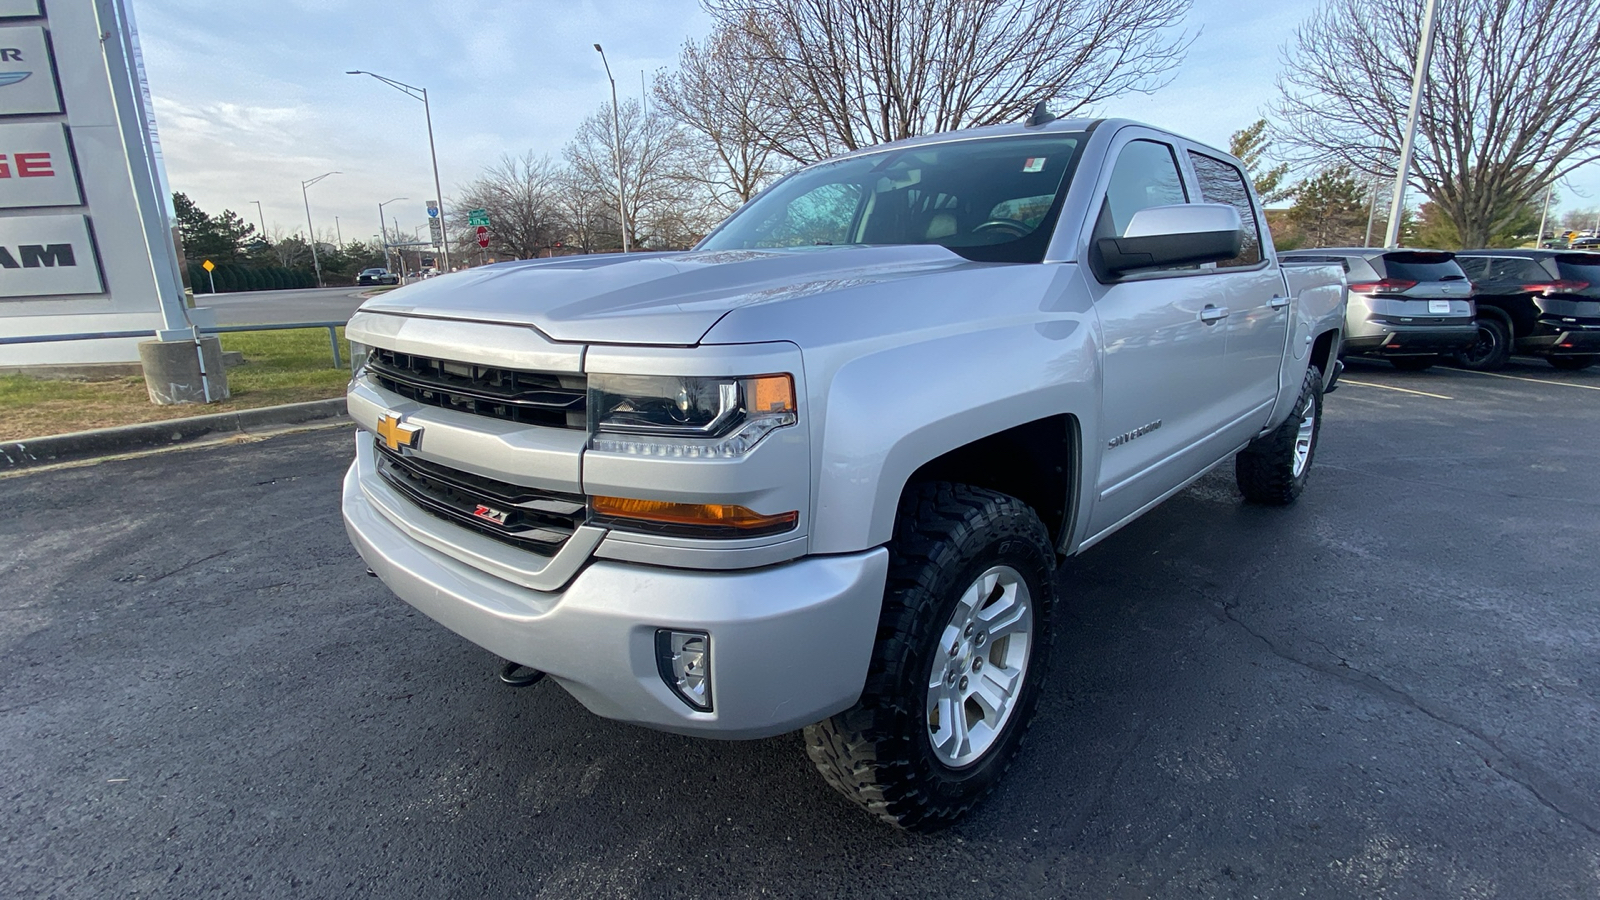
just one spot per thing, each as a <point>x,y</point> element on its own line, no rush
<point>396,434</point>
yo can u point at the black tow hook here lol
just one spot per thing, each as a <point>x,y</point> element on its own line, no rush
<point>518,675</point>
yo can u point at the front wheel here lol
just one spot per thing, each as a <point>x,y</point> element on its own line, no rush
<point>963,644</point>
<point>1572,363</point>
<point>1274,468</point>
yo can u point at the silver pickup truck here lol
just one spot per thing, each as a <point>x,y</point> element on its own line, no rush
<point>819,471</point>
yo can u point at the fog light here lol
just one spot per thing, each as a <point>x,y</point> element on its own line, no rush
<point>684,660</point>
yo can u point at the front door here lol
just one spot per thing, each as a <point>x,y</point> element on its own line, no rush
<point>1162,349</point>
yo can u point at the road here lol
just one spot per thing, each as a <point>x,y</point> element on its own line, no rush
<point>1391,689</point>
<point>277,307</point>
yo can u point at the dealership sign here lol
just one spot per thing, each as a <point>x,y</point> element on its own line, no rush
<point>47,256</point>
<point>36,167</point>
<point>27,79</point>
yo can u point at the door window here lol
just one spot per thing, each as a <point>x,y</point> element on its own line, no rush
<point>1146,175</point>
<point>1220,182</point>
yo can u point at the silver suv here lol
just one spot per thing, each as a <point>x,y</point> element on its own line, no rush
<point>1406,306</point>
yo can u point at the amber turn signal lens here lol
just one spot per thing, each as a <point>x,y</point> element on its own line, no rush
<point>770,394</point>
<point>692,519</point>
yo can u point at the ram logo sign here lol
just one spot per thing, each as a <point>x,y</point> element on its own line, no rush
<point>47,256</point>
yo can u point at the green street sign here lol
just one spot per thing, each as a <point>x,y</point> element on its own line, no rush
<point>478,217</point>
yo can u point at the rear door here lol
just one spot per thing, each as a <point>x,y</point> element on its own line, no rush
<point>1251,288</point>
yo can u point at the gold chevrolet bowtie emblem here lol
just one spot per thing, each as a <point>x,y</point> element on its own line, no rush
<point>397,434</point>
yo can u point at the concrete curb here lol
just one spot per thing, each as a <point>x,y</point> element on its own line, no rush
<point>80,445</point>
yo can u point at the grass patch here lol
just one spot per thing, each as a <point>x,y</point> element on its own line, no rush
<point>280,367</point>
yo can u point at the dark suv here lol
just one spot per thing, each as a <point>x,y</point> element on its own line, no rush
<point>377,276</point>
<point>1406,306</point>
<point>1540,302</point>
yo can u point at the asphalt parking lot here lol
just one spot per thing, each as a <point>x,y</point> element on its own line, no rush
<point>1391,689</point>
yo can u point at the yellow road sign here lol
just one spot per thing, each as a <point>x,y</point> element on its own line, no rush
<point>208,265</point>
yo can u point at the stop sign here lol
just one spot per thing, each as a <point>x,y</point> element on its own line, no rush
<point>483,236</point>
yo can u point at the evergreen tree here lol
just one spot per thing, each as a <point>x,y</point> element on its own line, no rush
<point>1250,145</point>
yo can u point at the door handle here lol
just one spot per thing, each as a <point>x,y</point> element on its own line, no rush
<point>1213,314</point>
<point>1278,302</point>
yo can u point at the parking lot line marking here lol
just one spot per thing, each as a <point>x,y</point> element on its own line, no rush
<point>1587,387</point>
<point>1388,388</point>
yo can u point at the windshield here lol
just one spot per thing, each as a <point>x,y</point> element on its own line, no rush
<point>990,199</point>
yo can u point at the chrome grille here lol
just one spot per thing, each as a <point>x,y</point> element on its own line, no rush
<point>536,520</point>
<point>533,398</point>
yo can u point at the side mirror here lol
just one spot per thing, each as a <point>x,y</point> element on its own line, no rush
<point>1177,235</point>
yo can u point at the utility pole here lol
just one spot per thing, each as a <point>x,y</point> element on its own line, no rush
<point>383,229</point>
<point>1545,216</point>
<point>311,230</point>
<point>1430,16</point>
<point>1372,208</point>
<point>616,132</point>
<point>417,93</point>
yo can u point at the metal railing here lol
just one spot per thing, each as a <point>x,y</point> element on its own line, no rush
<point>333,335</point>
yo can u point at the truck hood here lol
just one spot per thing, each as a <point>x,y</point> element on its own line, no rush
<point>654,298</point>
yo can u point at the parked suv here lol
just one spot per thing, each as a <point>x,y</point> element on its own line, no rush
<point>1406,306</point>
<point>1540,302</point>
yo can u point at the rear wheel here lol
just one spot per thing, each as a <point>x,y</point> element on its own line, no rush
<point>1572,363</point>
<point>1414,363</point>
<point>1275,467</point>
<point>963,643</point>
<point>1492,348</point>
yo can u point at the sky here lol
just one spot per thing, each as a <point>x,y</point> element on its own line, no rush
<point>251,98</point>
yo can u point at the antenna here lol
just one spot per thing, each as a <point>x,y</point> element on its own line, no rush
<point>1040,115</point>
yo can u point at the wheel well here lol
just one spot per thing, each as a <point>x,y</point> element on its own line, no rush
<point>1036,463</point>
<point>1322,354</point>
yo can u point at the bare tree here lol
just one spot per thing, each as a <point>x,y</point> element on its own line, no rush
<point>656,154</point>
<point>837,75</point>
<point>718,93</point>
<point>1509,106</point>
<point>520,195</point>
<point>591,225</point>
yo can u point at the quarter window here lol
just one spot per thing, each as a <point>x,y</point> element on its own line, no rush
<point>1221,182</point>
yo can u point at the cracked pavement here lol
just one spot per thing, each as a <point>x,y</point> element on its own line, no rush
<point>1391,689</point>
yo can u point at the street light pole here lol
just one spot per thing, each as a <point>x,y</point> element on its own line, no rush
<point>263,217</point>
<point>417,93</point>
<point>383,229</point>
<point>338,233</point>
<point>616,133</point>
<point>312,229</point>
<point>1430,16</point>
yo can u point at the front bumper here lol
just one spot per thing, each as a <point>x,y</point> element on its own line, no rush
<point>789,643</point>
<point>1411,340</point>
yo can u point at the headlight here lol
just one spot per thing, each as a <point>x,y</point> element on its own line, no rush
<point>358,357</point>
<point>652,415</point>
